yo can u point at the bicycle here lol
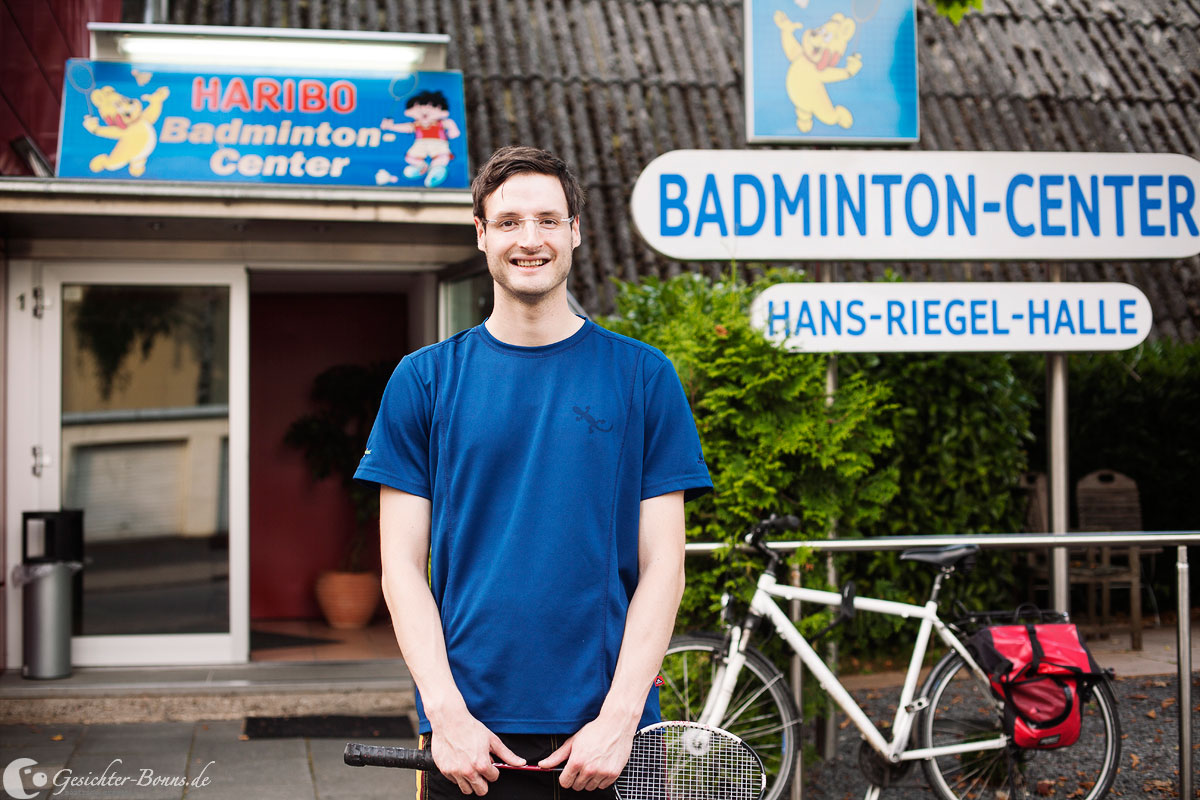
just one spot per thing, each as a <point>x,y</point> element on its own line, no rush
<point>952,724</point>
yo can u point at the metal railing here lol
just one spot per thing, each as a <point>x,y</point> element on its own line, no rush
<point>1056,541</point>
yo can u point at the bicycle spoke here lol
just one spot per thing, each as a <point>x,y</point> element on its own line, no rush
<point>953,725</point>
<point>962,712</point>
<point>687,685</point>
<point>975,768</point>
<point>684,704</point>
<point>766,687</point>
<point>771,729</point>
<point>973,783</point>
<point>760,711</point>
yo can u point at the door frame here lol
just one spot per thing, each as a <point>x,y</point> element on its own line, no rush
<point>34,420</point>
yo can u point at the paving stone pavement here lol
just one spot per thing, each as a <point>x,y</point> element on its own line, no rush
<point>210,760</point>
<point>192,760</point>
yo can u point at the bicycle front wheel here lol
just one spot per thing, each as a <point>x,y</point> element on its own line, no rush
<point>761,712</point>
<point>962,709</point>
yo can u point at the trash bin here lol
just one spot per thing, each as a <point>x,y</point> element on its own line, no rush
<point>46,591</point>
<point>49,577</point>
<point>48,536</point>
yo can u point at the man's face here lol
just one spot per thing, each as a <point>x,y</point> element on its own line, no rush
<point>528,264</point>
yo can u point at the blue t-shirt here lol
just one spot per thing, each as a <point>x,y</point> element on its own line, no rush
<point>535,460</point>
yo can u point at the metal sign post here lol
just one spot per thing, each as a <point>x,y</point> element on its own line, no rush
<point>1056,401</point>
<point>1184,644</point>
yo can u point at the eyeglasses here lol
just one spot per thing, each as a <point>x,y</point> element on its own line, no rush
<point>546,224</point>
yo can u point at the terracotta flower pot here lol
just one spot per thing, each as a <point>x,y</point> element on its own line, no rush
<point>348,599</point>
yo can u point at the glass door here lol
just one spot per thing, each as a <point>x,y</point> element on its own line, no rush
<point>149,426</point>
<point>464,302</point>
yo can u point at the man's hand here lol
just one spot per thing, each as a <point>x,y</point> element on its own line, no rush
<point>595,755</point>
<point>463,752</point>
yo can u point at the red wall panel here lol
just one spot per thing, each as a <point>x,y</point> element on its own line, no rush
<point>36,39</point>
<point>10,128</point>
<point>299,528</point>
<point>45,40</point>
<point>74,15</point>
<point>25,86</point>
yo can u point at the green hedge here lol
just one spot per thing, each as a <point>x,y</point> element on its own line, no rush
<point>913,444</point>
<point>961,423</point>
<point>771,442</point>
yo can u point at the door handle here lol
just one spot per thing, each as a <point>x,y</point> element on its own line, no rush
<point>40,461</point>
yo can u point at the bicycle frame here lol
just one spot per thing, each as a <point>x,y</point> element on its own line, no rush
<point>894,751</point>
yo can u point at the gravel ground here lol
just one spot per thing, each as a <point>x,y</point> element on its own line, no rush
<point>1149,717</point>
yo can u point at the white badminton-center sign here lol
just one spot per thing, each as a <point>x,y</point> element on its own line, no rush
<point>752,205</point>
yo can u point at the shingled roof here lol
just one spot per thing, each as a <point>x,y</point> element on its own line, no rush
<point>611,84</point>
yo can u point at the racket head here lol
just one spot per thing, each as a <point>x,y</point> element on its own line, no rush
<point>690,761</point>
<point>402,86</point>
<point>81,78</point>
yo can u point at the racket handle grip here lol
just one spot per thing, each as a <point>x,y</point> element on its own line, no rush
<point>373,755</point>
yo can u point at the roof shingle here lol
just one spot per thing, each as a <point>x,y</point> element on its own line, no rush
<point>611,84</point>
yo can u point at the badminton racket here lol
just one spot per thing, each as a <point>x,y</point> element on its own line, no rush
<point>80,76</point>
<point>668,761</point>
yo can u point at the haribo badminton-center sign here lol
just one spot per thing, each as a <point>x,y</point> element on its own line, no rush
<point>157,123</point>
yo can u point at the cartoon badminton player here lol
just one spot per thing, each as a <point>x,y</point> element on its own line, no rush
<point>130,123</point>
<point>433,128</point>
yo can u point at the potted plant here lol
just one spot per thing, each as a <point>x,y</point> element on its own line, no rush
<point>332,439</point>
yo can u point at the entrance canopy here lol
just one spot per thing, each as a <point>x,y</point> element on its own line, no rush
<point>283,222</point>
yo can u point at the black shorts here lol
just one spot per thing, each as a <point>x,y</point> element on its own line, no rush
<point>512,784</point>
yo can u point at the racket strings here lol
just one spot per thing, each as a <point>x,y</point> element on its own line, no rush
<point>687,763</point>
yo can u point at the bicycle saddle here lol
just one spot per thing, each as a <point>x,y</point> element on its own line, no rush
<point>945,556</point>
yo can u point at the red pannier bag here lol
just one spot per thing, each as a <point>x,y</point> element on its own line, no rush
<point>1044,673</point>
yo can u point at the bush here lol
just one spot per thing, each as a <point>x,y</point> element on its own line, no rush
<point>961,423</point>
<point>771,442</point>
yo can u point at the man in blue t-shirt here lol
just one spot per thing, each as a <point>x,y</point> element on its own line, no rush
<point>533,471</point>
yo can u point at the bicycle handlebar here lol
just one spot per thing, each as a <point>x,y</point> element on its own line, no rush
<point>789,522</point>
<point>754,536</point>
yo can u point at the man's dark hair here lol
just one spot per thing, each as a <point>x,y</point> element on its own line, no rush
<point>435,99</point>
<point>520,160</point>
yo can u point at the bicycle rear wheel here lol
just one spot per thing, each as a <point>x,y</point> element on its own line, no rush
<point>962,709</point>
<point>761,712</point>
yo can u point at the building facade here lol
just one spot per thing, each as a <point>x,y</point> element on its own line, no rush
<point>160,336</point>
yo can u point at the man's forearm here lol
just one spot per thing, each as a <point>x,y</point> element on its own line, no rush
<point>652,609</point>
<point>404,521</point>
<point>418,629</point>
<point>648,626</point>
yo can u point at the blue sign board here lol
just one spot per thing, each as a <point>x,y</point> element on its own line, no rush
<point>132,121</point>
<point>831,71</point>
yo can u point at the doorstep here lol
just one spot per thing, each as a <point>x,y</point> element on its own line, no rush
<point>159,694</point>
